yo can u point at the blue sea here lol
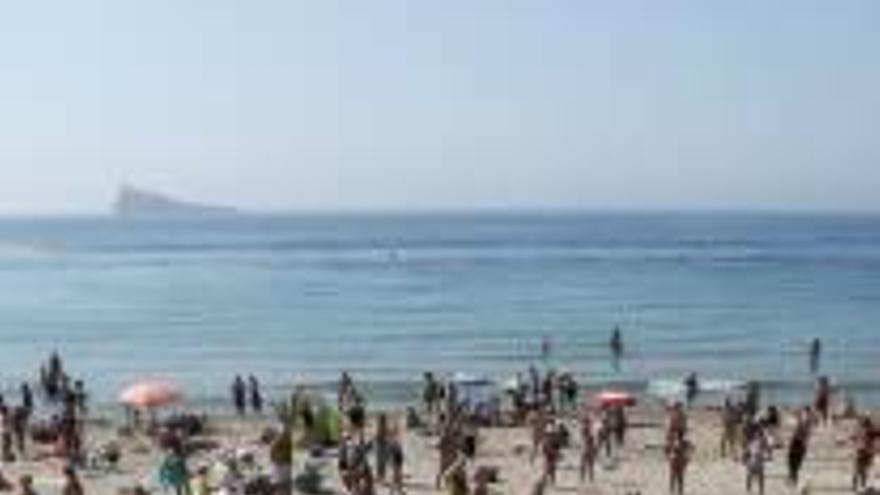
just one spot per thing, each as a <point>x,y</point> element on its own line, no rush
<point>296,298</point>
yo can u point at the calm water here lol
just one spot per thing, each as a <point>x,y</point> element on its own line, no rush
<point>297,298</point>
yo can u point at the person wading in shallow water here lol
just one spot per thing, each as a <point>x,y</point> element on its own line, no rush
<point>256,395</point>
<point>239,395</point>
<point>815,355</point>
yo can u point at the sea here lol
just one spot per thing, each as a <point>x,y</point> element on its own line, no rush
<point>296,299</point>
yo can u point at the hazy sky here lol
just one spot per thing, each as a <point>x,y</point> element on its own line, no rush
<point>441,104</point>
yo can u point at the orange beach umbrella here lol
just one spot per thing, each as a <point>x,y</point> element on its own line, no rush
<point>150,394</point>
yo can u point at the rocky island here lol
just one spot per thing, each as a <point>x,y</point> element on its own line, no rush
<point>132,202</point>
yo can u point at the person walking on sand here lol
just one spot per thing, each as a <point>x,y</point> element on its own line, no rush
<point>864,453</point>
<point>6,454</point>
<point>256,395</point>
<point>730,424</point>
<point>20,418</point>
<point>552,448</point>
<point>27,397</point>
<point>756,456</point>
<point>381,444</point>
<point>449,447</point>
<point>239,394</point>
<point>72,484</point>
<point>823,399</point>
<point>677,425</point>
<point>395,454</point>
<point>679,454</point>
<point>537,421</point>
<point>588,447</point>
<point>797,448</point>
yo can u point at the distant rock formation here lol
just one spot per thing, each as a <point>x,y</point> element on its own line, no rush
<point>135,202</point>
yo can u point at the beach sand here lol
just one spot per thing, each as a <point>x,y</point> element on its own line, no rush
<point>639,467</point>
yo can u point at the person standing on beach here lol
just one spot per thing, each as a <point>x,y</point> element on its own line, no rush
<point>6,454</point>
<point>756,456</point>
<point>679,454</point>
<point>864,453</point>
<point>381,444</point>
<point>552,448</point>
<point>730,425</point>
<point>395,454</point>
<point>797,447</point>
<point>27,397</point>
<point>823,399</point>
<point>239,393</point>
<point>20,419</point>
<point>430,395</point>
<point>677,426</point>
<point>588,447</point>
<point>537,421</point>
<point>256,395</point>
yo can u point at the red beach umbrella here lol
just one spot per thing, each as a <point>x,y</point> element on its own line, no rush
<point>150,394</point>
<point>613,398</point>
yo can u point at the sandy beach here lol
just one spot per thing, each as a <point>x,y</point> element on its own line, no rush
<point>640,467</point>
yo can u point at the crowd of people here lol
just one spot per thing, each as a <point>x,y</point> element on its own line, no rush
<point>65,400</point>
<point>369,447</point>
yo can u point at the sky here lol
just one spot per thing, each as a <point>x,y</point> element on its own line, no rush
<point>285,105</point>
